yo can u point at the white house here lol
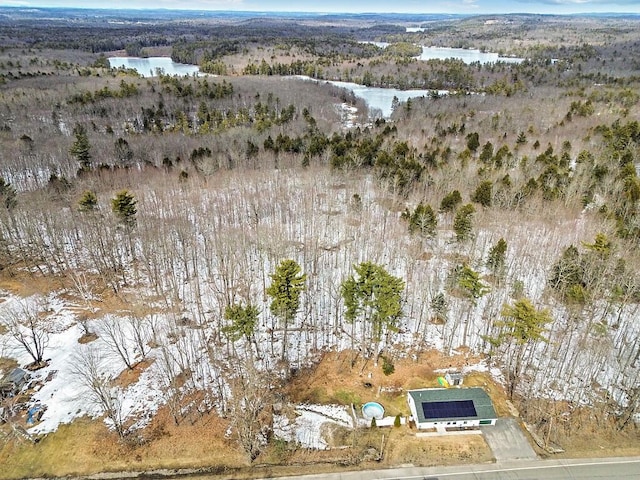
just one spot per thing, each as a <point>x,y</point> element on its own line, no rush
<point>451,407</point>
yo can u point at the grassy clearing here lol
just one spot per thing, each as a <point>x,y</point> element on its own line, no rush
<point>72,450</point>
<point>87,447</point>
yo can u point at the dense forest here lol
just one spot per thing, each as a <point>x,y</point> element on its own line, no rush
<point>230,229</point>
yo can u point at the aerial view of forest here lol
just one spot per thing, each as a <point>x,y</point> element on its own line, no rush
<point>223,233</point>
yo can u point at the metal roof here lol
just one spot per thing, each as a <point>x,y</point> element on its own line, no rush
<point>16,375</point>
<point>446,399</point>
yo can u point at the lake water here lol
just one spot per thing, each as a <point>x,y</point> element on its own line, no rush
<point>376,97</point>
<point>148,67</point>
<point>464,54</point>
<point>467,55</point>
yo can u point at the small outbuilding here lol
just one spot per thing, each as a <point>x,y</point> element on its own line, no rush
<point>13,382</point>
<point>454,379</point>
<point>443,408</point>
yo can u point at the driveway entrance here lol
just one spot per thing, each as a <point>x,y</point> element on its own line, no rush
<point>507,441</point>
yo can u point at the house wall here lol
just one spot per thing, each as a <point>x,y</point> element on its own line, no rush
<point>455,423</point>
<point>412,408</point>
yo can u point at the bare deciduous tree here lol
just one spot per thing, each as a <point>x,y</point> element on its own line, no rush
<point>27,326</point>
<point>250,407</point>
<point>88,370</point>
<point>127,337</point>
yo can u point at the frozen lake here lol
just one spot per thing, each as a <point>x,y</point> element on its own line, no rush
<point>467,55</point>
<point>377,97</point>
<point>149,67</point>
<point>464,54</point>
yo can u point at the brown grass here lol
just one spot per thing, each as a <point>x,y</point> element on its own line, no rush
<point>86,447</point>
<point>7,364</point>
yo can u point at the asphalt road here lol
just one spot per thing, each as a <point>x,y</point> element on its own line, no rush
<point>578,469</point>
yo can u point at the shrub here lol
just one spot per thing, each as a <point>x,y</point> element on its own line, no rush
<point>387,366</point>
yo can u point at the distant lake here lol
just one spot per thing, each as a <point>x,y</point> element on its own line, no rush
<point>148,67</point>
<point>467,55</point>
<point>377,97</point>
<point>464,54</point>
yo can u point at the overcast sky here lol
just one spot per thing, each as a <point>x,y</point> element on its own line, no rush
<point>357,6</point>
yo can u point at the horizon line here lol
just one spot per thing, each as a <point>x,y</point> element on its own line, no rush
<point>306,12</point>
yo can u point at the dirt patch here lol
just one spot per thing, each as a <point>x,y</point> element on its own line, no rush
<point>130,376</point>
<point>88,338</point>
<point>405,448</point>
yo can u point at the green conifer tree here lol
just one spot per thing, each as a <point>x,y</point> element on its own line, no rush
<point>497,257</point>
<point>463,222</point>
<point>123,206</point>
<point>375,297</point>
<point>483,193</point>
<point>523,325</point>
<point>287,284</point>
<point>88,202</point>
<point>450,201</point>
<point>423,221</point>
<point>81,149</point>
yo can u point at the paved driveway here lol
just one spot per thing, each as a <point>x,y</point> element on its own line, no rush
<point>507,441</point>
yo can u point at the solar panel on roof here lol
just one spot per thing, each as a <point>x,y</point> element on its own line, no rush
<point>449,409</point>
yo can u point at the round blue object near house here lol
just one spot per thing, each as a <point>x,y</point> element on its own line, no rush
<point>373,410</point>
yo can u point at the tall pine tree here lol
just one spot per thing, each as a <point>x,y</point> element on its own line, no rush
<point>123,206</point>
<point>287,284</point>
<point>375,298</point>
<point>80,149</point>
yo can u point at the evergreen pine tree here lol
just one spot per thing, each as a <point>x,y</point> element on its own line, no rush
<point>423,221</point>
<point>497,256</point>
<point>469,281</point>
<point>243,322</point>
<point>440,308</point>
<point>523,326</point>
<point>80,149</point>
<point>450,201</point>
<point>88,202</point>
<point>463,222</point>
<point>287,284</point>
<point>375,298</point>
<point>483,194</point>
<point>123,206</point>
<point>473,141</point>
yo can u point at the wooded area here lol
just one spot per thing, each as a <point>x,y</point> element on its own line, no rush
<point>230,230</point>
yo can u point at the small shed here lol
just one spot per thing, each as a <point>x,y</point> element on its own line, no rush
<point>454,379</point>
<point>13,382</point>
<point>443,408</point>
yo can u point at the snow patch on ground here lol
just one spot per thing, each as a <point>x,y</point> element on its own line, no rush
<point>306,428</point>
<point>348,115</point>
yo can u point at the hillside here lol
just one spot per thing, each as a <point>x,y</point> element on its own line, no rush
<point>190,258</point>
